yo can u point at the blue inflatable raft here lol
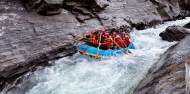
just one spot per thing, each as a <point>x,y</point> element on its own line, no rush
<point>92,51</point>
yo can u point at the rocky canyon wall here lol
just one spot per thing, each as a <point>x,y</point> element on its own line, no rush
<point>36,31</point>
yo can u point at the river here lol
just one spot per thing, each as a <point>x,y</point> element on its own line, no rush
<point>80,74</point>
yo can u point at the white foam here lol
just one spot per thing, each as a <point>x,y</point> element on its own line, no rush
<point>3,17</point>
<point>1,34</point>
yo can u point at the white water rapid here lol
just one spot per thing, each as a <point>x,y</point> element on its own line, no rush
<point>83,75</point>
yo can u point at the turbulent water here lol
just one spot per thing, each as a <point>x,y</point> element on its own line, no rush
<point>80,74</point>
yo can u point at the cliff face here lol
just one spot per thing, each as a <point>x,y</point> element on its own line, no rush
<point>28,39</point>
<point>114,13</point>
<point>167,76</point>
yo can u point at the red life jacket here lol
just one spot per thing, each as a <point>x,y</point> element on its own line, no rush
<point>108,43</point>
<point>126,41</point>
<point>118,41</point>
<point>103,38</point>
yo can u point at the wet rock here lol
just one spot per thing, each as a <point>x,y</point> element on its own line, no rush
<point>2,8</point>
<point>187,25</point>
<point>174,33</point>
<point>184,4</point>
<point>44,7</point>
<point>28,39</point>
<point>167,76</point>
<point>85,9</point>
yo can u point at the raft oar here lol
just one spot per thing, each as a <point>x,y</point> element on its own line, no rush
<point>128,49</point>
<point>97,54</point>
<point>119,47</point>
<point>82,36</point>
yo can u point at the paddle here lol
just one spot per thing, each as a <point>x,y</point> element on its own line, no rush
<point>82,36</point>
<point>119,46</point>
<point>128,49</point>
<point>97,54</point>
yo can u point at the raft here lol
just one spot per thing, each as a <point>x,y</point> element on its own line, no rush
<point>92,51</point>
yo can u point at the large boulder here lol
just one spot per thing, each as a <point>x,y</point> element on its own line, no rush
<point>174,33</point>
<point>167,76</point>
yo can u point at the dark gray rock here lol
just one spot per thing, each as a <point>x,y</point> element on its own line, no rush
<point>184,4</point>
<point>187,25</point>
<point>167,76</point>
<point>174,33</point>
<point>27,39</point>
<point>2,9</point>
<point>44,7</point>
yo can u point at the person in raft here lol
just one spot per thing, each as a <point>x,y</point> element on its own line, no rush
<point>103,35</point>
<point>125,39</point>
<point>107,43</point>
<point>118,42</point>
<point>93,38</point>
